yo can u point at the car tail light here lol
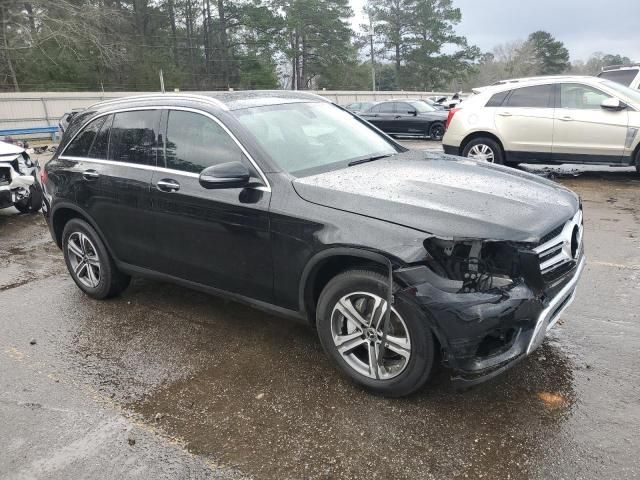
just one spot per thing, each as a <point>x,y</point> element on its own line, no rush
<point>43,176</point>
<point>452,112</point>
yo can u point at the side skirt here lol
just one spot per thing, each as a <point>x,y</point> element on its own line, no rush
<point>545,157</point>
<point>257,304</point>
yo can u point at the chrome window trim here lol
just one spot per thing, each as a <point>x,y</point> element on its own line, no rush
<point>267,185</point>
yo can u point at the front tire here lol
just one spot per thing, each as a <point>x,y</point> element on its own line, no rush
<point>89,262</point>
<point>33,202</point>
<point>484,149</point>
<point>392,358</point>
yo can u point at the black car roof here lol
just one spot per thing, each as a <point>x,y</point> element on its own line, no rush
<point>221,100</point>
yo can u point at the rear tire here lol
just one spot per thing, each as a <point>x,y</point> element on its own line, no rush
<point>484,149</point>
<point>89,262</point>
<point>638,161</point>
<point>436,131</point>
<point>354,341</point>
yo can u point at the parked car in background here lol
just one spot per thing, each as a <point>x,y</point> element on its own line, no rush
<point>358,107</point>
<point>431,103</point>
<point>409,118</point>
<point>66,118</point>
<point>627,75</point>
<point>289,203</point>
<point>564,119</point>
<point>18,184</point>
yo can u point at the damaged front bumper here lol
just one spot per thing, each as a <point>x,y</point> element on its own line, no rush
<point>14,182</point>
<point>485,333</point>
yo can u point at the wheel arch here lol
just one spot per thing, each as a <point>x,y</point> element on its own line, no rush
<point>325,265</point>
<point>61,214</point>
<point>480,134</point>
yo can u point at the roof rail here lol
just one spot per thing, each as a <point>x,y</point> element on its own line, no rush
<point>615,67</point>
<point>151,96</point>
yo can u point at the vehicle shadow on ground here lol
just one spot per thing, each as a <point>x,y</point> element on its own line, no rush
<point>256,392</point>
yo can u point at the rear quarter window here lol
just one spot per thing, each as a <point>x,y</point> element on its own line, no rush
<point>497,99</point>
<point>82,143</point>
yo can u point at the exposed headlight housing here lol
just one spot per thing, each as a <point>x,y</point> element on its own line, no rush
<point>473,265</point>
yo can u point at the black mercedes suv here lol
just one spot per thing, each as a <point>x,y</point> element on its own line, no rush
<point>296,206</point>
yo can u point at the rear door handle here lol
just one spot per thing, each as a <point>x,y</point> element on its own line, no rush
<point>566,119</point>
<point>90,175</point>
<point>504,114</point>
<point>168,185</point>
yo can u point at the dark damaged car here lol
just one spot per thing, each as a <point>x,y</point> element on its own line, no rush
<point>282,200</point>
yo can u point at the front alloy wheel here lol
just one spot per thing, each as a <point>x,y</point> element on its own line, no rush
<point>370,345</point>
<point>391,355</point>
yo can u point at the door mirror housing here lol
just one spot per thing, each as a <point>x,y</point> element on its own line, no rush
<point>413,112</point>
<point>612,104</point>
<point>225,175</point>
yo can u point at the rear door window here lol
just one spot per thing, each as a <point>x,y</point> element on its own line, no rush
<point>195,142</point>
<point>133,137</point>
<point>538,96</point>
<point>81,145</point>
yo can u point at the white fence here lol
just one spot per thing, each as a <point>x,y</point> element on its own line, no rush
<point>33,109</point>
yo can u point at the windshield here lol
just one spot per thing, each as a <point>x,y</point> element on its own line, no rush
<point>628,94</point>
<point>308,138</point>
<point>624,77</point>
<point>422,107</point>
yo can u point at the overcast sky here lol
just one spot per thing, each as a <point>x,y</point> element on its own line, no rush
<point>585,26</point>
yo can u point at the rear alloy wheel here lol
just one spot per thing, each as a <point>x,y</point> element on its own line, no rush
<point>391,356</point>
<point>483,150</point>
<point>436,131</point>
<point>89,261</point>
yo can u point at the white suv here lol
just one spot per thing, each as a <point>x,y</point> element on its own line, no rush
<point>564,119</point>
<point>627,75</point>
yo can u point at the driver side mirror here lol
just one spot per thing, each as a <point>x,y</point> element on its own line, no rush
<point>225,175</point>
<point>612,104</point>
<point>413,112</point>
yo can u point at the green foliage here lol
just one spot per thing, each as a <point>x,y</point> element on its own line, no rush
<point>551,54</point>
<point>415,34</point>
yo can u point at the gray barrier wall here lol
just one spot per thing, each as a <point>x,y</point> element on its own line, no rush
<point>41,109</point>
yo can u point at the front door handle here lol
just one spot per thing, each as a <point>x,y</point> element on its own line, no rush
<point>504,114</point>
<point>90,174</point>
<point>168,185</point>
<point>566,118</point>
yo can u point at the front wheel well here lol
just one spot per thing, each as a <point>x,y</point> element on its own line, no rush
<point>475,135</point>
<point>324,271</point>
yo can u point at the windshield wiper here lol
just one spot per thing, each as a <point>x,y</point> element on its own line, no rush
<point>369,159</point>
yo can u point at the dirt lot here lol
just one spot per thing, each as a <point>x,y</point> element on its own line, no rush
<point>165,382</point>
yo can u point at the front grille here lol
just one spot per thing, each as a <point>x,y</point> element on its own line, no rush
<point>559,249</point>
<point>552,234</point>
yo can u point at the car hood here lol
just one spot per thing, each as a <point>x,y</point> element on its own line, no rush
<point>446,196</point>
<point>9,149</point>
